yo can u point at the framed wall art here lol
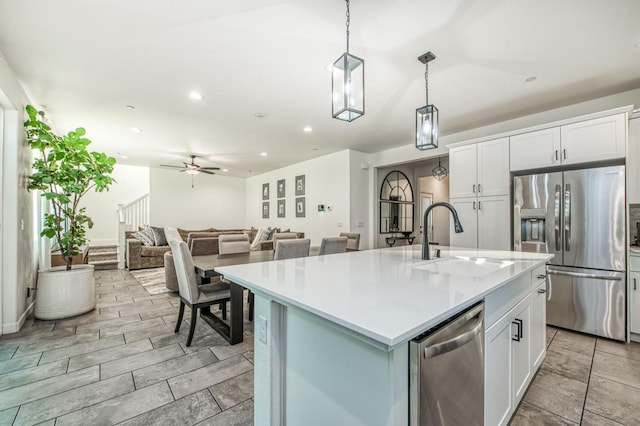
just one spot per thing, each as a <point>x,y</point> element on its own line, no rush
<point>265,210</point>
<point>281,208</point>
<point>265,191</point>
<point>281,188</point>
<point>299,185</point>
<point>300,207</point>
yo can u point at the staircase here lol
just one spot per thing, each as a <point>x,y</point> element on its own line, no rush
<point>104,257</point>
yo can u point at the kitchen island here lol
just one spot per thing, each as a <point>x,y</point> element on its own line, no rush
<point>331,332</point>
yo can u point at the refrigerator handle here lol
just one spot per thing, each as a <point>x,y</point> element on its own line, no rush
<point>567,217</point>
<point>556,217</point>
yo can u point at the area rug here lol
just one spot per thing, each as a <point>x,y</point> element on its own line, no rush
<point>151,279</point>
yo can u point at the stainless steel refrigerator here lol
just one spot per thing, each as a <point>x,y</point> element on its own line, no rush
<point>579,216</point>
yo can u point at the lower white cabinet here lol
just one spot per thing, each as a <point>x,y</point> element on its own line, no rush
<point>634,302</point>
<point>514,349</point>
<point>485,221</point>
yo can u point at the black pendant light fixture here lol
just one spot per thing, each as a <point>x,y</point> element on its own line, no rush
<point>439,172</point>
<point>427,116</point>
<point>347,83</point>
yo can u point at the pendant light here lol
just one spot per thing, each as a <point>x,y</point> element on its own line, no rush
<point>439,172</point>
<point>347,86</point>
<point>427,116</point>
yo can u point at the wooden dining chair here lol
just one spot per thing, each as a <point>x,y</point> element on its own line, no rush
<point>331,245</point>
<point>233,243</point>
<point>292,248</point>
<point>191,294</point>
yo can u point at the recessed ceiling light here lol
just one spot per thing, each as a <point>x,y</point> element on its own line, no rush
<point>264,154</point>
<point>637,45</point>
<point>136,130</point>
<point>130,107</point>
<point>260,115</point>
<point>124,156</point>
<point>225,170</point>
<point>530,79</point>
<point>315,149</point>
<point>195,95</point>
<point>307,129</point>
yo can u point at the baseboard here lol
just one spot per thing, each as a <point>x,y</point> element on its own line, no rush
<point>14,327</point>
<point>635,337</point>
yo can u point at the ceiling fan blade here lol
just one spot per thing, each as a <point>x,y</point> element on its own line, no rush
<point>209,168</point>
<point>175,167</point>
<point>207,172</point>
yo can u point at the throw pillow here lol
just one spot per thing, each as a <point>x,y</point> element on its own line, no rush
<point>270,233</point>
<point>158,236</point>
<point>259,237</point>
<point>145,236</point>
<point>172,234</point>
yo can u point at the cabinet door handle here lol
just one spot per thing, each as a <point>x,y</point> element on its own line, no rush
<point>479,205</point>
<point>479,188</point>
<point>564,154</point>
<point>556,155</point>
<point>474,188</point>
<point>542,291</point>
<point>474,205</point>
<point>542,276</point>
<point>635,283</point>
<point>518,335</point>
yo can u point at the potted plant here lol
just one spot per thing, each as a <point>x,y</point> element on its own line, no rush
<point>64,171</point>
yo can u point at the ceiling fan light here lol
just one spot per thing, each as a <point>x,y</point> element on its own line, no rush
<point>192,172</point>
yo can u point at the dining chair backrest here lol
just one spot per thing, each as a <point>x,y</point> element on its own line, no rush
<point>290,249</point>
<point>185,271</point>
<point>233,243</point>
<point>283,236</point>
<point>331,245</point>
<point>353,240</point>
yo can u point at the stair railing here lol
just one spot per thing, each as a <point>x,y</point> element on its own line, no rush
<point>131,216</point>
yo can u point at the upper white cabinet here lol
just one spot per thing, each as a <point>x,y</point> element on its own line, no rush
<point>479,169</point>
<point>633,162</point>
<point>598,139</point>
<point>535,150</point>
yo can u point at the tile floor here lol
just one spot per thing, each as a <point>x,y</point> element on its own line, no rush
<point>122,364</point>
<point>583,381</point>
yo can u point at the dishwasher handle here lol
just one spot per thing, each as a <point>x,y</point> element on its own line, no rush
<point>457,342</point>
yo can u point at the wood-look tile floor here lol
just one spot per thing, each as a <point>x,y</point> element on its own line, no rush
<point>123,364</point>
<point>583,380</point>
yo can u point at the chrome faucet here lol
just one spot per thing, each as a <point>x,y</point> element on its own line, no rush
<point>456,226</point>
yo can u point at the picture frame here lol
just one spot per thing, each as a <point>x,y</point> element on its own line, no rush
<point>300,207</point>
<point>281,208</point>
<point>281,188</point>
<point>265,210</point>
<point>300,185</point>
<point>265,191</point>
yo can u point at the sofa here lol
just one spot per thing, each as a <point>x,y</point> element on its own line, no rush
<point>139,256</point>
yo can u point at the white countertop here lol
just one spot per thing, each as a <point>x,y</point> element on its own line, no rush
<point>389,295</point>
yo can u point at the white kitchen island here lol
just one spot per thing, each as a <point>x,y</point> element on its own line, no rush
<point>332,332</point>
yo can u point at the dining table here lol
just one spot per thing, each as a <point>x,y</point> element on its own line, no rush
<point>205,267</point>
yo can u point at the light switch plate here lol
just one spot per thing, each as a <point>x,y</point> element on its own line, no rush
<point>262,329</point>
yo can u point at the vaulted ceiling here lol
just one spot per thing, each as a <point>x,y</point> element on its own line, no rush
<point>85,61</point>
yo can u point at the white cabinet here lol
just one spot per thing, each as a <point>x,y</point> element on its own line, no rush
<point>633,162</point>
<point>479,169</point>
<point>598,139</point>
<point>514,349</point>
<point>535,150</point>
<point>485,221</point>
<point>634,302</point>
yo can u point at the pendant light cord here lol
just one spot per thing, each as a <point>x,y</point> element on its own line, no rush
<point>348,22</point>
<point>426,82</point>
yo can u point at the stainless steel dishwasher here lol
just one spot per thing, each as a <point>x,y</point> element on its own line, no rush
<point>446,372</point>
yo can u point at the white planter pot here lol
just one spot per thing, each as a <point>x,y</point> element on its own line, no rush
<point>62,294</point>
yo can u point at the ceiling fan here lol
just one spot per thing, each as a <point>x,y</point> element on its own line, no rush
<point>193,168</point>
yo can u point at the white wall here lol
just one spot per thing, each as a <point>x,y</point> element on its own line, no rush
<point>215,200</point>
<point>20,241</point>
<point>360,192</point>
<point>102,207</point>
<point>327,182</point>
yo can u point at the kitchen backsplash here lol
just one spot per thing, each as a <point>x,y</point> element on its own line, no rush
<point>634,218</point>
